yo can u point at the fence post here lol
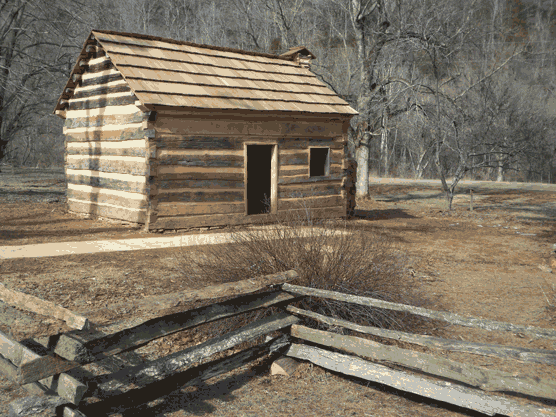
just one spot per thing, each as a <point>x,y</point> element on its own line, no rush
<point>471,199</point>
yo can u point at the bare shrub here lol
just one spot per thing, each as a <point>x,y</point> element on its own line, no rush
<point>327,254</point>
<point>549,293</point>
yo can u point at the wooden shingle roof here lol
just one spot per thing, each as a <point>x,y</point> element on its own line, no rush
<point>181,74</point>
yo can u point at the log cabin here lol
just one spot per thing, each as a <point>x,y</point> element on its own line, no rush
<point>176,135</point>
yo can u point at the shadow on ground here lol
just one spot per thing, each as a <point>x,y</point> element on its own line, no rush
<point>381,214</point>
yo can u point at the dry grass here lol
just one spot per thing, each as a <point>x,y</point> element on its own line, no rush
<point>327,254</point>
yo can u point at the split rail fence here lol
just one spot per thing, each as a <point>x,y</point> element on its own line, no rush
<point>52,370</point>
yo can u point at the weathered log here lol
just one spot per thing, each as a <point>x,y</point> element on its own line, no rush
<point>190,209</point>
<point>101,196</point>
<point>39,406</point>
<point>102,102</point>
<point>486,349</point>
<point>123,184</point>
<point>75,346</point>
<point>47,308</point>
<point>301,158</point>
<point>438,390</point>
<point>193,142</point>
<point>160,302</point>
<point>181,380</point>
<point>207,160</point>
<point>104,119</point>
<point>101,91</point>
<point>437,315</point>
<point>169,196</point>
<point>122,213</point>
<point>164,326</point>
<point>166,366</point>
<point>284,366</point>
<point>308,180</point>
<point>20,355</point>
<point>125,133</point>
<point>486,379</point>
<point>311,189</point>
<point>310,202</point>
<point>125,148</point>
<point>72,412</point>
<point>113,164</point>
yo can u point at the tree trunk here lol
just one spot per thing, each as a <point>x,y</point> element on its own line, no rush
<point>363,152</point>
<point>384,144</point>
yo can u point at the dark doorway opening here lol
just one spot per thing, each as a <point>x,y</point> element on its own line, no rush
<point>259,167</point>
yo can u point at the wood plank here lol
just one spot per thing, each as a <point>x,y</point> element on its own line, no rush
<point>201,196</point>
<point>94,179</point>
<point>20,355</point>
<point>102,102</point>
<point>44,367</point>
<point>178,170</point>
<point>202,160</point>
<point>164,367</point>
<point>180,184</point>
<point>445,392</point>
<point>545,356</point>
<point>311,202</point>
<point>107,210</point>
<point>103,119</point>
<point>437,315</point>
<point>476,376</point>
<point>179,381</point>
<point>101,196</point>
<point>118,133</point>
<point>195,142</point>
<point>46,308</point>
<point>189,209</point>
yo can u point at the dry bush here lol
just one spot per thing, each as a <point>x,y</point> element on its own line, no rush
<point>549,292</point>
<point>327,254</point>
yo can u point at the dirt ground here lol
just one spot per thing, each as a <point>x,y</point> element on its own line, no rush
<point>491,262</point>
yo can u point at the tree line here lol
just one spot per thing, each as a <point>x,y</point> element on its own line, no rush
<point>445,89</point>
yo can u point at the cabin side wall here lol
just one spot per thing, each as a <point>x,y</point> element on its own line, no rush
<point>200,178</point>
<point>107,142</point>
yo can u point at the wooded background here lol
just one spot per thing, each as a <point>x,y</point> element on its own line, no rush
<point>445,88</point>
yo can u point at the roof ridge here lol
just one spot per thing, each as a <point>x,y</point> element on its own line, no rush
<point>192,44</point>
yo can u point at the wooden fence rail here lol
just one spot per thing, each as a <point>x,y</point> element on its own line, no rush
<point>35,363</point>
<point>52,369</point>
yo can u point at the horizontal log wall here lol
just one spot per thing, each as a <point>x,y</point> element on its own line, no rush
<point>107,146</point>
<point>200,176</point>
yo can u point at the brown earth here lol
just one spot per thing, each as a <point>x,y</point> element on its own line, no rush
<point>492,262</point>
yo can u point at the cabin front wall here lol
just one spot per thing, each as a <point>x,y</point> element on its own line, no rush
<point>107,143</point>
<point>201,164</point>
